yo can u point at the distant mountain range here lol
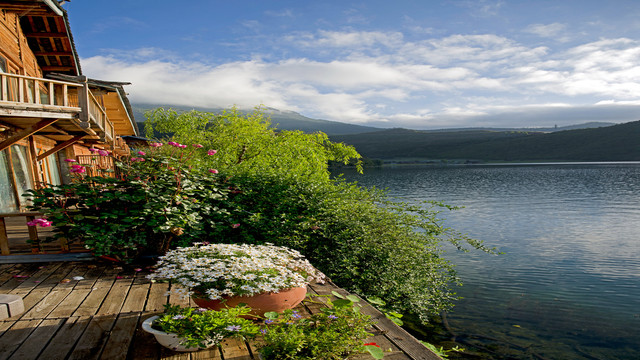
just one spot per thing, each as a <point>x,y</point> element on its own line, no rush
<point>594,141</point>
<point>612,143</point>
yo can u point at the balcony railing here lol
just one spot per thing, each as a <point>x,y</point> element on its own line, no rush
<point>46,94</point>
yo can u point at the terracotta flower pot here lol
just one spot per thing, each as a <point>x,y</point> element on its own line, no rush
<point>260,303</point>
<point>169,340</point>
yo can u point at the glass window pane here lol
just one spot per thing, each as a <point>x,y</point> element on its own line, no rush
<point>7,194</point>
<point>22,171</point>
<point>54,174</point>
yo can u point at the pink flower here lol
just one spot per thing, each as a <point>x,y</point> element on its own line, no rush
<point>172,143</point>
<point>182,146</point>
<point>103,152</point>
<point>142,153</point>
<point>70,160</point>
<point>78,169</point>
<point>156,144</point>
<point>93,149</point>
<point>213,171</point>
<point>39,222</point>
<point>235,226</point>
<point>212,152</point>
<point>197,146</point>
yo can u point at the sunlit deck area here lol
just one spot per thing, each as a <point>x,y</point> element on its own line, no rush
<point>94,310</point>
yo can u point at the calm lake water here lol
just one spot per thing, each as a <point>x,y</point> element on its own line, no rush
<point>568,285</point>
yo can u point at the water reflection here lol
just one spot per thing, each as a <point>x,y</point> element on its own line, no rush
<point>568,286</point>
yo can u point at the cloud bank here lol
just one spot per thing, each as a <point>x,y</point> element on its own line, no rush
<point>385,79</point>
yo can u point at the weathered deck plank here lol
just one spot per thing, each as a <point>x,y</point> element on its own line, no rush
<point>98,316</point>
<point>32,347</point>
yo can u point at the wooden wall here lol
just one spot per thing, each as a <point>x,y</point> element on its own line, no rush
<point>14,47</point>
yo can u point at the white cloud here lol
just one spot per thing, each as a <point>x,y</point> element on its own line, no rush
<point>555,31</point>
<point>381,78</point>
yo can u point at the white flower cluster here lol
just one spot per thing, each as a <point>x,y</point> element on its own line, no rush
<point>219,270</point>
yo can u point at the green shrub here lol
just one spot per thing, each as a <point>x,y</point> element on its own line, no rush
<point>283,194</point>
<point>155,202</point>
<point>337,331</point>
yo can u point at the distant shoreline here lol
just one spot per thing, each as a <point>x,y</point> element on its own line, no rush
<point>445,163</point>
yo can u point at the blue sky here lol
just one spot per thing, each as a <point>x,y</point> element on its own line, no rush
<point>414,64</point>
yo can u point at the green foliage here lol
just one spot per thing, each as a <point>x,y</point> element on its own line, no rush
<point>248,146</point>
<point>151,204</point>
<point>440,351</point>
<point>337,331</point>
<point>283,194</point>
<point>198,326</point>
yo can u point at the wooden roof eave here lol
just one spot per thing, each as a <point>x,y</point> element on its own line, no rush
<point>43,9</point>
<point>111,86</point>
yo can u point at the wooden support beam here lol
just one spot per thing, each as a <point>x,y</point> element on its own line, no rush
<point>57,68</point>
<point>35,168</point>
<point>46,34</point>
<point>26,133</point>
<point>52,53</point>
<point>61,146</point>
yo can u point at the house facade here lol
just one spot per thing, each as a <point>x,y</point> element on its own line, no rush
<point>49,111</point>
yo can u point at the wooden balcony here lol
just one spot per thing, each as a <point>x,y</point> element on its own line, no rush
<point>88,310</point>
<point>77,109</point>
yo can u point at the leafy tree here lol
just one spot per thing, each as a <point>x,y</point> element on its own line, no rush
<point>282,193</point>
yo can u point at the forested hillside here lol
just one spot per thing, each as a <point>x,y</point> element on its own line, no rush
<point>612,143</point>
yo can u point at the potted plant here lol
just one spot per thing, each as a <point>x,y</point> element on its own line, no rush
<point>336,332</point>
<point>191,329</point>
<point>265,277</point>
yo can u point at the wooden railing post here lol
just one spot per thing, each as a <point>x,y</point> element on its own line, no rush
<point>83,102</point>
<point>5,86</point>
<point>52,98</point>
<point>21,83</point>
<point>65,95</point>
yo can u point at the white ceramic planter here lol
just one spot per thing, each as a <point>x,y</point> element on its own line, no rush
<point>169,340</point>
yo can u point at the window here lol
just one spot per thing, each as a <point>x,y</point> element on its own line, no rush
<point>52,173</point>
<point>7,190</point>
<point>21,171</point>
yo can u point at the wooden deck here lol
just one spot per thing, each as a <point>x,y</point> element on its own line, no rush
<point>16,238</point>
<point>99,316</point>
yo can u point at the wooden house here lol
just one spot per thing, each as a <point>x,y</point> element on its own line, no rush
<point>49,111</point>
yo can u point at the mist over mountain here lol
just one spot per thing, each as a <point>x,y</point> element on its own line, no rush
<point>284,120</point>
<point>593,141</point>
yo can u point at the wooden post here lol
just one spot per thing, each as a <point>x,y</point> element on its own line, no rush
<point>35,168</point>
<point>36,92</point>
<point>21,90</point>
<point>83,100</point>
<point>5,83</point>
<point>65,95</point>
<point>33,236</point>
<point>52,98</point>
<point>4,239</point>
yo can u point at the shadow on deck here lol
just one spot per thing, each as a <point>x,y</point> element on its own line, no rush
<point>99,316</point>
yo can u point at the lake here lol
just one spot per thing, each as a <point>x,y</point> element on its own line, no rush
<point>568,283</point>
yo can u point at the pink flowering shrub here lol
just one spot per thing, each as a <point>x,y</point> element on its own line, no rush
<point>156,201</point>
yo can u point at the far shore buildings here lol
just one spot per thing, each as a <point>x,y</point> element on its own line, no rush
<point>49,111</point>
